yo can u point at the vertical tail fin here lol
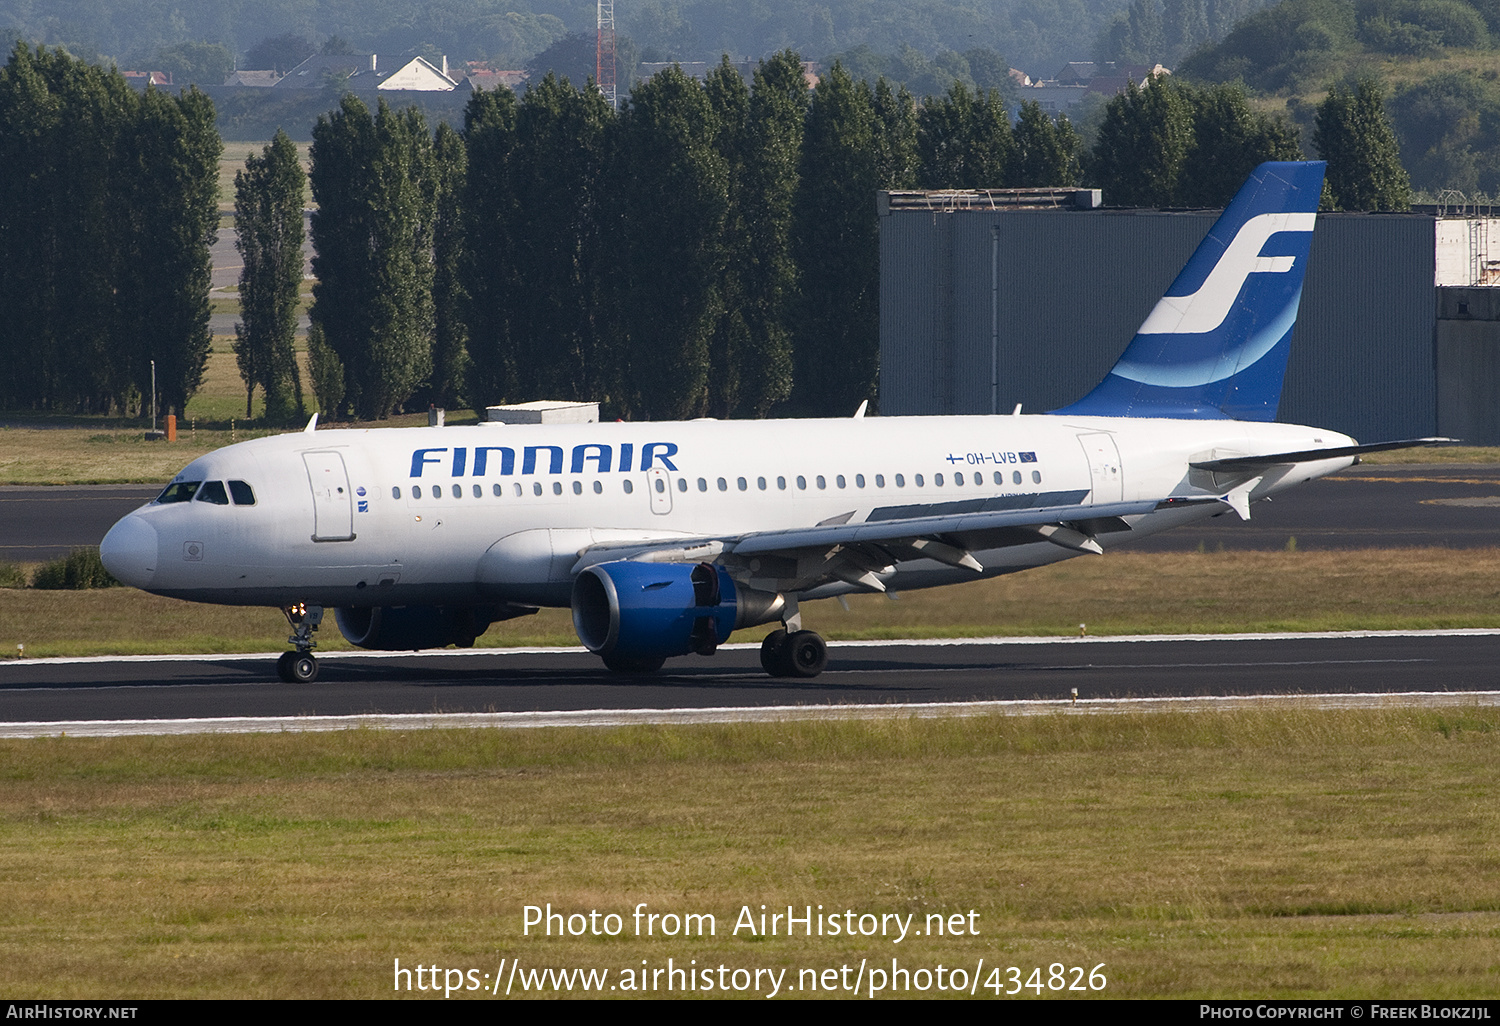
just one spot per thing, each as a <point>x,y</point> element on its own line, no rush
<point>1216,345</point>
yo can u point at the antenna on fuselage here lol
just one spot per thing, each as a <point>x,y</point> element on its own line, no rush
<point>859,414</point>
<point>312,424</point>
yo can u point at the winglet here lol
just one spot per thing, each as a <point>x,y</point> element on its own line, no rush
<point>312,424</point>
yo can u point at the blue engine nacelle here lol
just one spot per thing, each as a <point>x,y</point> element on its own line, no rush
<point>650,611</point>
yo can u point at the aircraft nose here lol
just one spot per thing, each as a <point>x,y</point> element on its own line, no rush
<point>129,551</point>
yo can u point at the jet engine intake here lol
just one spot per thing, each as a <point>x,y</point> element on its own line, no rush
<point>632,611</point>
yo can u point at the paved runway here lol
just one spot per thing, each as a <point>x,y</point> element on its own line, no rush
<point>1449,505</point>
<point>477,681</point>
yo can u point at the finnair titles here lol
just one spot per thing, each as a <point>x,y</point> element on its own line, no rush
<point>663,538</point>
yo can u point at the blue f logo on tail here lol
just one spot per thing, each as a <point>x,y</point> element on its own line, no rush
<point>1216,344</point>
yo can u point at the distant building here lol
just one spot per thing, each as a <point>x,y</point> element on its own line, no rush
<point>253,79</point>
<point>362,73</point>
<point>1080,79</point>
<point>141,79</point>
<point>483,78</point>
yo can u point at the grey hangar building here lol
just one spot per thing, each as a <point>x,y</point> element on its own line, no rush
<point>989,299</point>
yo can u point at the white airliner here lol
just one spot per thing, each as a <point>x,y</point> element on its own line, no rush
<point>665,537</point>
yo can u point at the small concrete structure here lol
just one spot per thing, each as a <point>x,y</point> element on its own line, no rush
<point>543,411</point>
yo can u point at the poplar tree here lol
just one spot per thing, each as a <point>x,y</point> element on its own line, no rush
<point>1139,154</point>
<point>1355,136</point>
<point>1046,151</point>
<point>487,273</point>
<point>268,199</point>
<point>169,193</point>
<point>450,356</point>
<point>964,140</point>
<point>671,213</point>
<point>373,183</point>
<point>560,331</point>
<point>766,268</point>
<point>837,246</point>
<point>1229,141</point>
<point>729,100</point>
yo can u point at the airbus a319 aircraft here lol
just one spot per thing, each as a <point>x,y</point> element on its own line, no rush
<point>665,537</point>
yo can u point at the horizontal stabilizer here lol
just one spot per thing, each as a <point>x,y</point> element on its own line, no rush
<point>1312,455</point>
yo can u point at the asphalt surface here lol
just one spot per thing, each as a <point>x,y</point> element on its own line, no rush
<point>1447,505</point>
<point>142,688</point>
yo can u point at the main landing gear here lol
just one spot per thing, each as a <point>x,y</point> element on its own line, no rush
<point>792,651</point>
<point>300,667</point>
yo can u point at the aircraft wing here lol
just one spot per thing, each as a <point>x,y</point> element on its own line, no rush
<point>798,559</point>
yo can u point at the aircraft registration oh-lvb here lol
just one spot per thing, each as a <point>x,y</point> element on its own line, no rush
<point>665,537</point>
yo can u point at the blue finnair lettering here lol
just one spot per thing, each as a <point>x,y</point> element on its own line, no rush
<point>601,456</point>
<point>669,449</point>
<point>420,459</point>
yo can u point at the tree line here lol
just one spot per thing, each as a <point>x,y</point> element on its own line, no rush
<point>712,249</point>
<point>709,250</point>
<point>108,205</point>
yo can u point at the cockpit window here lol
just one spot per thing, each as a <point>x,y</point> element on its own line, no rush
<point>243,494</point>
<point>213,491</point>
<point>178,491</point>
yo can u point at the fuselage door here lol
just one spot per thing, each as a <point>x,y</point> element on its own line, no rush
<point>333,506</point>
<point>660,487</point>
<point>1104,466</point>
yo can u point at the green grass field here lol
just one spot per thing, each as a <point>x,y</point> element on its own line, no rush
<point>1251,854</point>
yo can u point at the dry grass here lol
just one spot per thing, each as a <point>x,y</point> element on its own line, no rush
<point>1121,593</point>
<point>232,161</point>
<point>1272,854</point>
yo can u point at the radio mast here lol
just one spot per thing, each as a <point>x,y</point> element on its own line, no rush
<point>604,70</point>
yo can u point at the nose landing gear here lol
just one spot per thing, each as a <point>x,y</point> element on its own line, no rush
<point>300,667</point>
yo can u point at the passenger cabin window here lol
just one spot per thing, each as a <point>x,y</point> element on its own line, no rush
<point>182,491</point>
<point>879,480</point>
<point>628,486</point>
<point>396,492</point>
<point>213,491</point>
<point>242,493</point>
<point>499,492</point>
<point>1036,477</point>
<point>416,491</point>
<point>1016,477</point>
<point>900,480</point>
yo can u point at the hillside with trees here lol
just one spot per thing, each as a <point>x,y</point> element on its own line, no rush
<point>198,39</point>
